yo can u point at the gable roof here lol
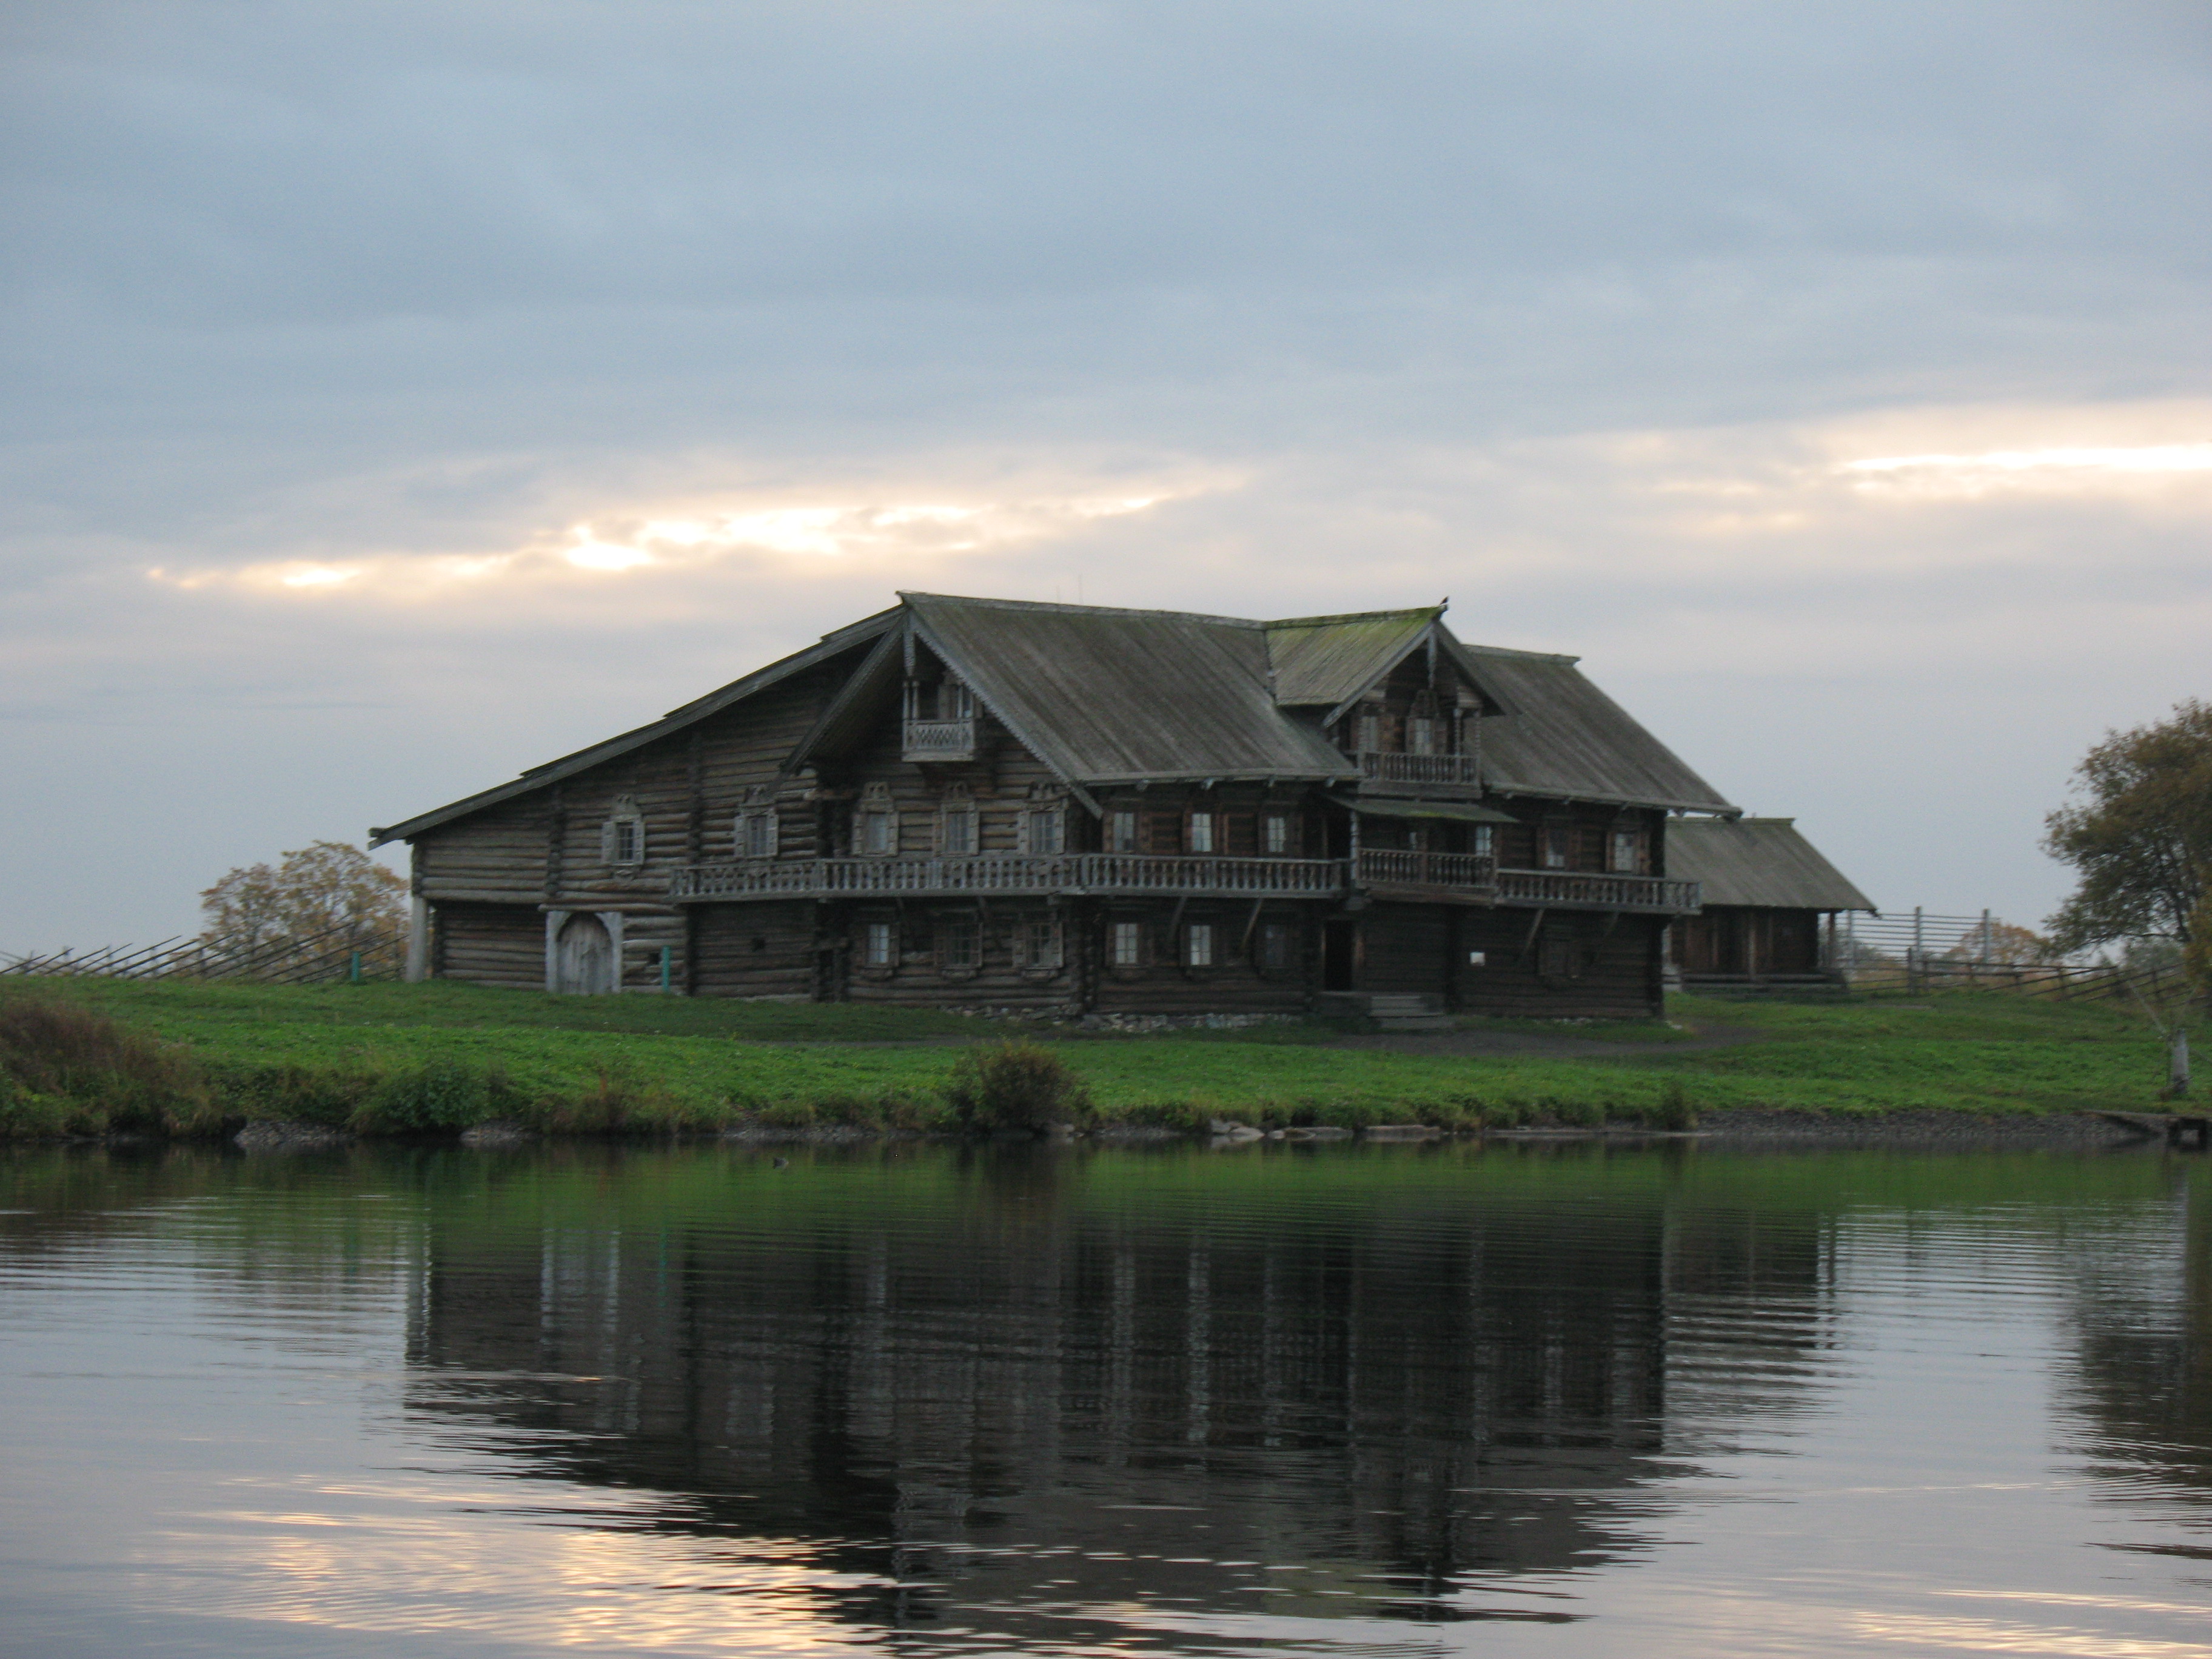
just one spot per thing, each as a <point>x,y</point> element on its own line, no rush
<point>1107,696</point>
<point>1328,661</point>
<point>1758,861</point>
<point>1567,738</point>
<point>864,632</point>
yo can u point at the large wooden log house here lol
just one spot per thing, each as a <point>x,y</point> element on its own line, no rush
<point>985,803</point>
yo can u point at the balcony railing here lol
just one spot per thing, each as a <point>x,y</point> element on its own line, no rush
<point>1191,876</point>
<point>1418,769</point>
<point>1382,866</point>
<point>1040,873</point>
<point>1566,891</point>
<point>940,740</point>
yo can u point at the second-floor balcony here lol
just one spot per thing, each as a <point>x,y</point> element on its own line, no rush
<point>1453,772</point>
<point>938,740</point>
<point>1194,876</point>
<point>1382,873</point>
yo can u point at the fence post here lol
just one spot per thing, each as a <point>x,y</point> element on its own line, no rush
<point>664,970</point>
<point>1915,970</point>
<point>353,969</point>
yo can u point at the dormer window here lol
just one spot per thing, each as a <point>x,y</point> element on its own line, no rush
<point>875,826</point>
<point>622,837</point>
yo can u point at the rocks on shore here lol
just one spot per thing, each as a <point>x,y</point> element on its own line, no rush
<point>286,1135</point>
<point>497,1133</point>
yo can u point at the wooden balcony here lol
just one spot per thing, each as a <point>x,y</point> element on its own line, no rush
<point>938,740</point>
<point>1034,875</point>
<point>1439,877</point>
<point>1566,890</point>
<point>1454,773</point>
<point>1435,878</point>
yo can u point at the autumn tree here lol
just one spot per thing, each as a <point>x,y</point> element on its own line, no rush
<point>2139,833</point>
<point>330,891</point>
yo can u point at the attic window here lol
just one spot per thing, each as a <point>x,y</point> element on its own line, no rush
<point>1421,724</point>
<point>622,837</point>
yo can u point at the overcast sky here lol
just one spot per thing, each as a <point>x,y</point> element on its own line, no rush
<point>405,394</point>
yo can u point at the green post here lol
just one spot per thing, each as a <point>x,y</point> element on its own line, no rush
<point>663,970</point>
<point>353,973</point>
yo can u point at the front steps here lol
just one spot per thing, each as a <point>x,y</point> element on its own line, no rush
<point>1390,1011</point>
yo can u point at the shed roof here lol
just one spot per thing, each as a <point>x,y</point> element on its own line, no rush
<point>1763,862</point>
<point>1567,738</point>
<point>1104,697</point>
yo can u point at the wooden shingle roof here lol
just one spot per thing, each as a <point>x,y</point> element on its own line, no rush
<point>1758,861</point>
<point>1567,739</point>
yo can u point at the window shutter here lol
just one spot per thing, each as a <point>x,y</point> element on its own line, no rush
<point>772,822</point>
<point>607,842</point>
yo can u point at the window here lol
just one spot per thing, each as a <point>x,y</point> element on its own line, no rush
<point>1120,832</point>
<point>1557,841</point>
<point>1558,957</point>
<point>1201,838</point>
<point>876,825</point>
<point>1047,830</point>
<point>879,944</point>
<point>1484,839</point>
<point>757,835</point>
<point>622,837</point>
<point>1421,725</point>
<point>1367,731</point>
<point>1277,947</point>
<point>1626,851</point>
<point>956,835</point>
<point>1198,944</point>
<point>958,946</point>
<point>1275,833</point>
<point>955,701</point>
<point>1036,945</point>
<point>757,826</point>
<point>1128,944</point>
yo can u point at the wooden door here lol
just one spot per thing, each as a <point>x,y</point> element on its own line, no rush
<point>584,957</point>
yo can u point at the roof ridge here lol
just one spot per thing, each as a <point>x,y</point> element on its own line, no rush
<point>1510,651</point>
<point>1083,610</point>
<point>1432,611</point>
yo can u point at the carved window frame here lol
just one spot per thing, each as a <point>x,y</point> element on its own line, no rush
<point>1039,946</point>
<point>622,835</point>
<point>875,820</point>
<point>957,807</point>
<point>757,829</point>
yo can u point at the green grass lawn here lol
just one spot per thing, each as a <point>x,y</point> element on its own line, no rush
<point>396,1056</point>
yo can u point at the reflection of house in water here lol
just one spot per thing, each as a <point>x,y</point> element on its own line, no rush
<point>1411,1381</point>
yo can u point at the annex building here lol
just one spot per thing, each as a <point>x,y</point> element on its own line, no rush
<point>986,803</point>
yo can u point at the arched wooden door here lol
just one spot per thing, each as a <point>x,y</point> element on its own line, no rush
<point>584,957</point>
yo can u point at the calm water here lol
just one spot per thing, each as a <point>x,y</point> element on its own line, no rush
<point>1386,1401</point>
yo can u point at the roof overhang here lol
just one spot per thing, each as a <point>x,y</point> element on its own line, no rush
<point>1453,811</point>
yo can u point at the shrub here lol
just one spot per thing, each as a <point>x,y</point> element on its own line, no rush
<point>70,1067</point>
<point>1674,1110</point>
<point>1015,1086</point>
<point>439,1094</point>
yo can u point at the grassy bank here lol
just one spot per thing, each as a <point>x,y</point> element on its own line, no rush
<point>392,1058</point>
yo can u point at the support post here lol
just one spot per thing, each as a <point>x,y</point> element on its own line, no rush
<point>418,939</point>
<point>666,960</point>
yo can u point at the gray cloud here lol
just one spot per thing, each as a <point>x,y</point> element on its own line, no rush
<point>1393,301</point>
